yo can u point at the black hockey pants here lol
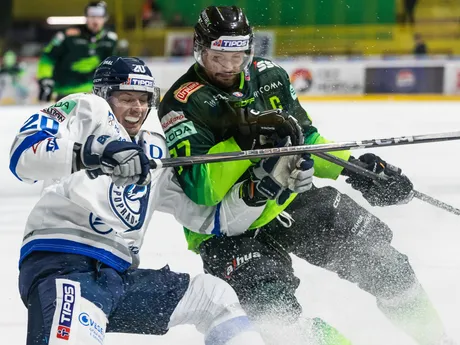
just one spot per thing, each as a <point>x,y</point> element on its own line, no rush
<point>328,230</point>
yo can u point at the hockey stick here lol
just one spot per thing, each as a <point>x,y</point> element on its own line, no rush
<point>293,150</point>
<point>362,171</point>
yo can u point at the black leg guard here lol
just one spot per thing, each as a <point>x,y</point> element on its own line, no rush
<point>260,272</point>
<point>332,231</point>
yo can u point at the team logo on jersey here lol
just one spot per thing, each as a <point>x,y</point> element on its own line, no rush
<point>130,204</point>
<point>52,145</point>
<point>238,94</point>
<point>183,93</point>
<point>98,225</point>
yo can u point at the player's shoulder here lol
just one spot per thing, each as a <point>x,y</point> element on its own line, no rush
<point>185,90</point>
<point>84,105</point>
<point>111,35</point>
<point>262,65</point>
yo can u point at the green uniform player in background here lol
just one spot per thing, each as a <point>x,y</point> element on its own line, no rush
<point>68,62</point>
<point>11,75</point>
<point>232,101</point>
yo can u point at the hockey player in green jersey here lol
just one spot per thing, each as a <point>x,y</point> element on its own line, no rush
<point>11,73</point>
<point>220,104</point>
<point>68,62</point>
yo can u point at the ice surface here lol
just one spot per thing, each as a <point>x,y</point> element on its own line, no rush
<point>429,236</point>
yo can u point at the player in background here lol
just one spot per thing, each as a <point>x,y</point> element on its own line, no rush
<point>11,72</point>
<point>220,104</point>
<point>78,262</point>
<point>68,62</point>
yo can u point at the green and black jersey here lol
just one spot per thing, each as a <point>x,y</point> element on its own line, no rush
<point>198,119</point>
<point>72,56</point>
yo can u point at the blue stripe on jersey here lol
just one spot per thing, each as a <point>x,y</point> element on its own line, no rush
<point>67,246</point>
<point>27,143</point>
<point>225,331</point>
<point>216,230</point>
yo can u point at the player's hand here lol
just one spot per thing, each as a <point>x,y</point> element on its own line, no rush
<point>396,189</point>
<point>46,86</point>
<point>275,178</point>
<point>124,161</point>
<point>257,129</point>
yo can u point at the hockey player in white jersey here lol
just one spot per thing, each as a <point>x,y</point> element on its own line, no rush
<point>78,262</point>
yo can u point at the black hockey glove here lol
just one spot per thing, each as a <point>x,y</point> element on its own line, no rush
<point>255,129</point>
<point>396,189</point>
<point>46,89</point>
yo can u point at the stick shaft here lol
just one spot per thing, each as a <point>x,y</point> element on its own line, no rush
<point>293,150</point>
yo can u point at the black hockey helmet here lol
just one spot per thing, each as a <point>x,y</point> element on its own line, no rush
<point>125,74</point>
<point>96,9</point>
<point>225,29</point>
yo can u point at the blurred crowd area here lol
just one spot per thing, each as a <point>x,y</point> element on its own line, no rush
<point>315,30</point>
<point>296,27</point>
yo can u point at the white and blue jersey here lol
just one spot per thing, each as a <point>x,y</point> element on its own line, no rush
<point>95,218</point>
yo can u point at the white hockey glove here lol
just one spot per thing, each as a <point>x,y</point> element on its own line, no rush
<point>275,178</point>
<point>124,161</point>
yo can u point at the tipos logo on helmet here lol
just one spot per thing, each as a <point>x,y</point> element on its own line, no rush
<point>125,74</point>
<point>231,43</point>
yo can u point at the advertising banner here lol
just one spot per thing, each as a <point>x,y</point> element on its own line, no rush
<point>452,78</point>
<point>326,78</point>
<point>405,80</point>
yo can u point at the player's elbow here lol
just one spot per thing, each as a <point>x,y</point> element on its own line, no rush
<point>21,173</point>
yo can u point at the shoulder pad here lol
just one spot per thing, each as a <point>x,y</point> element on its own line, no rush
<point>112,35</point>
<point>72,32</point>
<point>265,65</point>
<point>58,38</point>
<point>185,90</point>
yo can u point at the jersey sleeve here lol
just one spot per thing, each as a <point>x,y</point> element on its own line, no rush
<point>230,217</point>
<point>323,168</point>
<point>43,146</point>
<point>113,38</point>
<point>205,184</point>
<point>51,53</point>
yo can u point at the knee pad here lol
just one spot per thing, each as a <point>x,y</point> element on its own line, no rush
<point>76,320</point>
<point>212,306</point>
<point>207,302</point>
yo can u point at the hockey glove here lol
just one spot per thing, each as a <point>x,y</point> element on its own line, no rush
<point>275,178</point>
<point>261,129</point>
<point>124,161</point>
<point>46,89</point>
<point>396,189</point>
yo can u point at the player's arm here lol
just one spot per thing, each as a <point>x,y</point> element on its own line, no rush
<point>50,54</point>
<point>323,168</point>
<point>113,37</point>
<point>46,144</point>
<point>231,216</point>
<point>205,184</point>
